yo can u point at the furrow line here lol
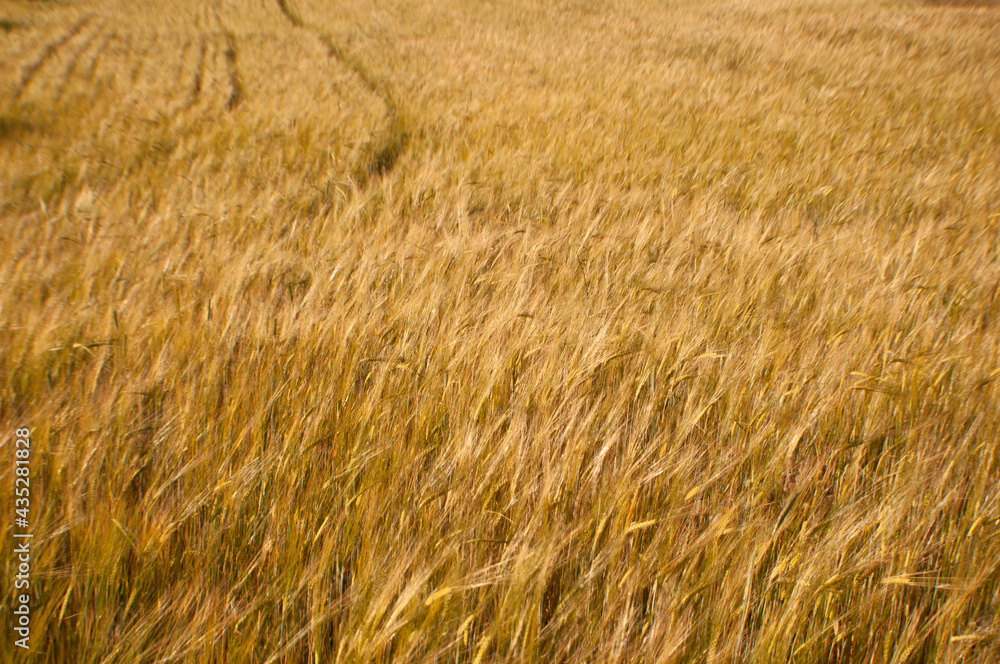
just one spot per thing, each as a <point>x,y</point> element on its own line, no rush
<point>75,60</point>
<point>47,52</point>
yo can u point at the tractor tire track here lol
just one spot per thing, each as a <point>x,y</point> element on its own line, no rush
<point>216,83</point>
<point>76,58</point>
<point>235,97</point>
<point>142,50</point>
<point>95,61</point>
<point>199,75</point>
<point>114,67</point>
<point>289,14</point>
<point>177,87</point>
<point>187,82</point>
<point>206,19</point>
<point>214,25</point>
<point>50,49</point>
<point>382,154</point>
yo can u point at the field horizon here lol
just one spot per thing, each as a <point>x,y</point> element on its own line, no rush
<point>468,331</point>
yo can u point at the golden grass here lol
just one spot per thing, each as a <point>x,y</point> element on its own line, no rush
<point>413,331</point>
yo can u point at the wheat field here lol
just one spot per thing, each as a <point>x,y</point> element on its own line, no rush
<point>524,331</point>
